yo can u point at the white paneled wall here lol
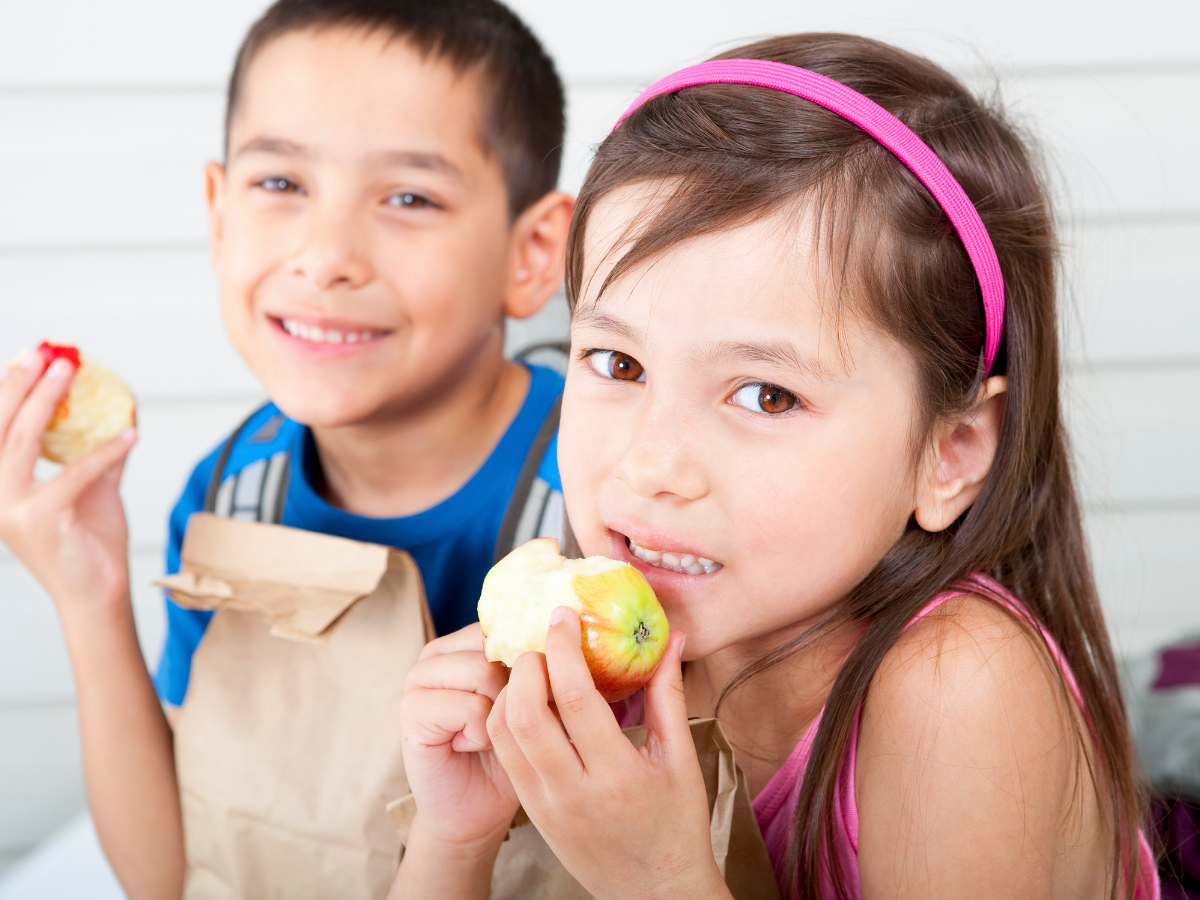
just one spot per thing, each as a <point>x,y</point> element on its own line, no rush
<point>109,110</point>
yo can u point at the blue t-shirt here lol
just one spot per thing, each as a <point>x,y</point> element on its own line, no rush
<point>452,543</point>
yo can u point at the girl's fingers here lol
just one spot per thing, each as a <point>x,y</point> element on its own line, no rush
<point>106,460</point>
<point>525,779</point>
<point>468,638</point>
<point>18,379</point>
<point>465,670</point>
<point>529,728</point>
<point>666,705</point>
<point>435,718</point>
<point>586,717</point>
<point>23,440</point>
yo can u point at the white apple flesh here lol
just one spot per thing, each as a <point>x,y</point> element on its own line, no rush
<point>624,627</point>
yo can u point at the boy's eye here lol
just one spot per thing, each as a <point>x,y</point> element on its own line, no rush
<point>408,201</point>
<point>765,398</point>
<point>616,365</point>
<point>280,186</point>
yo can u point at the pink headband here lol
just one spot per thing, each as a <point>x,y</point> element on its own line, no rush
<point>889,131</point>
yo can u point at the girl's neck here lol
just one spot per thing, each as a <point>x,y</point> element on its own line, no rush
<point>766,717</point>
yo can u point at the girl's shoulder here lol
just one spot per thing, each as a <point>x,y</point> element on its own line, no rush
<point>968,759</point>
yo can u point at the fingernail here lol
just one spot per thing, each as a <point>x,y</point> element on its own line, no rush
<point>560,613</point>
<point>682,642</point>
<point>129,435</point>
<point>30,359</point>
<point>60,368</point>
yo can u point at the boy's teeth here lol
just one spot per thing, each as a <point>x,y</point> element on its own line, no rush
<point>318,335</point>
<point>684,564</point>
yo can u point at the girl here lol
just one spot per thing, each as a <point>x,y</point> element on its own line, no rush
<point>814,398</point>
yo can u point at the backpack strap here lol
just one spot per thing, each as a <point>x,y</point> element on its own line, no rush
<point>258,492</point>
<point>534,509</point>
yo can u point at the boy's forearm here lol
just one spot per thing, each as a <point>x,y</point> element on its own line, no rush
<point>128,755</point>
<point>431,871</point>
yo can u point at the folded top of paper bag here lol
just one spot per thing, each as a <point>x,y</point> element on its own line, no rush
<point>302,581</point>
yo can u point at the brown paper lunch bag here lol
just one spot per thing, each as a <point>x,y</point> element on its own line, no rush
<point>527,869</point>
<point>287,745</point>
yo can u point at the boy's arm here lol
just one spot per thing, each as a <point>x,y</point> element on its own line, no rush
<point>71,534</point>
<point>128,757</point>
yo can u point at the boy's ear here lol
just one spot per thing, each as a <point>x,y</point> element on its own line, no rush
<point>538,249</point>
<point>214,194</point>
<point>959,460</point>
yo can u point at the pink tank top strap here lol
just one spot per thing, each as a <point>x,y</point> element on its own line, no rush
<point>1148,887</point>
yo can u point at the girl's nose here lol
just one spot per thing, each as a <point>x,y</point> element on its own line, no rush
<point>662,457</point>
<point>334,253</point>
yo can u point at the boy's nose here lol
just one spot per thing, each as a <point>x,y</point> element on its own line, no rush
<point>333,252</point>
<point>662,456</point>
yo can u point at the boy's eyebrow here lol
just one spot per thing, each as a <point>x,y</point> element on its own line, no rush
<point>415,159</point>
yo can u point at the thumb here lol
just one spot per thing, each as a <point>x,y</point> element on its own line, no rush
<point>667,728</point>
<point>104,464</point>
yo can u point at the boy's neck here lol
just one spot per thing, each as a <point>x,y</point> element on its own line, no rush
<point>408,463</point>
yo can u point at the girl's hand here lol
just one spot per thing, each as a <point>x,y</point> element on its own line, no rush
<point>70,531</point>
<point>465,801</point>
<point>626,822</point>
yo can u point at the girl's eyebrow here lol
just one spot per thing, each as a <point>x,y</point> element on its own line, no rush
<point>590,317</point>
<point>778,353</point>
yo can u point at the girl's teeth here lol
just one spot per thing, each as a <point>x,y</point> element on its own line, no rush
<point>684,564</point>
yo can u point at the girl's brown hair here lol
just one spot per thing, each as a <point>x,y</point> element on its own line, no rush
<point>726,155</point>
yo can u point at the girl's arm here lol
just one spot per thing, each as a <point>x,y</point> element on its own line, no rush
<point>71,534</point>
<point>967,768</point>
<point>465,801</point>
<point>626,822</point>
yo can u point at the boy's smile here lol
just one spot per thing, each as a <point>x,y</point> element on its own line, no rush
<point>359,229</point>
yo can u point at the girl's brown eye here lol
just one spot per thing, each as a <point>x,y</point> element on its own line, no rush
<point>616,365</point>
<point>765,398</point>
<point>626,368</point>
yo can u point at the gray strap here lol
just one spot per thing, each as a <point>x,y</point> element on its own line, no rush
<point>258,492</point>
<point>522,495</point>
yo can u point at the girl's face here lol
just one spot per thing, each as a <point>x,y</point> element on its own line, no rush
<point>716,421</point>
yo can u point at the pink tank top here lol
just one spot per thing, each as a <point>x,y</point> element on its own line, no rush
<point>775,806</point>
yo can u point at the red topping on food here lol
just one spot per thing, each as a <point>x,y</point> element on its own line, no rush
<point>50,352</point>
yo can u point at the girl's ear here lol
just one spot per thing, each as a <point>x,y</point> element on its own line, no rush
<point>959,459</point>
<point>538,251</point>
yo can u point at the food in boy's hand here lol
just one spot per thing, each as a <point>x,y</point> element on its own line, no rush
<point>98,407</point>
<point>624,627</point>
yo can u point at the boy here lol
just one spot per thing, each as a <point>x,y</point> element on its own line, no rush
<point>387,197</point>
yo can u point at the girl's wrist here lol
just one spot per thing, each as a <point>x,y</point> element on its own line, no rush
<point>455,850</point>
<point>436,867</point>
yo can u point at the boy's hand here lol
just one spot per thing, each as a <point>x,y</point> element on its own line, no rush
<point>70,531</point>
<point>465,801</point>
<point>626,822</point>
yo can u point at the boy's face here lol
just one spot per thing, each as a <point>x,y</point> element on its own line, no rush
<point>359,229</point>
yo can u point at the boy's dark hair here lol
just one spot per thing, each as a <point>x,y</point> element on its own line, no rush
<point>524,115</point>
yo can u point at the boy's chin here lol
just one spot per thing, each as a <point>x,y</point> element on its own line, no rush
<point>317,409</point>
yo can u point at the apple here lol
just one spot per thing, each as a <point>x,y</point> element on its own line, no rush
<point>98,406</point>
<point>624,627</point>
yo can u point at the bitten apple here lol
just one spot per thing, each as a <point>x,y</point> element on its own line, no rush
<point>98,406</point>
<point>624,627</point>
